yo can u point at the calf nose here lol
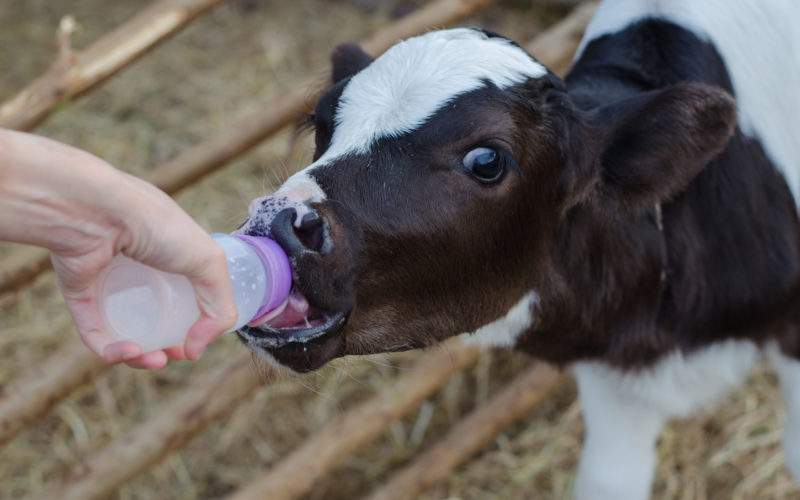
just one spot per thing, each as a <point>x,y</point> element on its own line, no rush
<point>309,235</point>
<point>255,205</point>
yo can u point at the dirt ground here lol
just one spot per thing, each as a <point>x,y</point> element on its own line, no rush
<point>225,66</point>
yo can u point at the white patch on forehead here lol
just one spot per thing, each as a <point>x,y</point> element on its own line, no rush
<point>760,44</point>
<point>404,87</point>
<point>505,331</point>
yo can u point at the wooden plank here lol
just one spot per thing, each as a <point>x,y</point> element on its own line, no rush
<point>472,434</point>
<point>43,385</point>
<point>296,474</point>
<point>21,266</point>
<point>208,398</point>
<point>76,72</point>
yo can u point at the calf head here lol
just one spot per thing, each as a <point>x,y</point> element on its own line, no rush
<point>444,171</point>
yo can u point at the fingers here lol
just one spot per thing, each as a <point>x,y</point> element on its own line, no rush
<point>86,315</point>
<point>83,307</point>
<point>116,352</point>
<point>76,280</point>
<point>202,333</point>
<point>175,352</point>
<point>132,355</point>
<point>95,337</point>
<point>150,361</point>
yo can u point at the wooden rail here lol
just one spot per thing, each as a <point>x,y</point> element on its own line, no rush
<point>206,399</point>
<point>471,434</point>
<point>296,474</point>
<point>44,385</point>
<point>76,72</point>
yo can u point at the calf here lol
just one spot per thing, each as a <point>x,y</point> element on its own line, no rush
<point>625,220</point>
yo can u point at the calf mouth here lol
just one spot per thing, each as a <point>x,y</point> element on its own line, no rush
<point>307,330</point>
<point>295,321</point>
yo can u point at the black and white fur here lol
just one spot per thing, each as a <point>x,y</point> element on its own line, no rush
<point>661,283</point>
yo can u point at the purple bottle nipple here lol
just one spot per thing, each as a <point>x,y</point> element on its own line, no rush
<point>278,269</point>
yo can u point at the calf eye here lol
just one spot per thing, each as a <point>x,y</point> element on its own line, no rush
<point>485,164</point>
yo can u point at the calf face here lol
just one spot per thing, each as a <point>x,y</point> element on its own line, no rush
<point>444,174</point>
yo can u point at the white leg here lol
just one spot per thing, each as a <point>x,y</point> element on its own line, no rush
<point>788,370</point>
<point>618,458</point>
<point>624,413</point>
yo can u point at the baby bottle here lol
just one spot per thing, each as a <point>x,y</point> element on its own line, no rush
<point>155,309</point>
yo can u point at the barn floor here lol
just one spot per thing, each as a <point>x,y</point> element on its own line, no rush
<point>192,87</point>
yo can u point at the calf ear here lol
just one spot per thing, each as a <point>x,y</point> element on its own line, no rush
<point>348,59</point>
<point>653,145</point>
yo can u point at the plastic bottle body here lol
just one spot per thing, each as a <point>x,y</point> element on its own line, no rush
<point>141,304</point>
<point>155,309</point>
<point>249,278</point>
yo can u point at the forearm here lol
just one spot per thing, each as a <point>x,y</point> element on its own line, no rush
<point>55,196</point>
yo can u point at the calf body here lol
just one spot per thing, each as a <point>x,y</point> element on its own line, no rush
<point>625,220</point>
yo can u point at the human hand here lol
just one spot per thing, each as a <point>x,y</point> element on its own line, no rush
<point>85,212</point>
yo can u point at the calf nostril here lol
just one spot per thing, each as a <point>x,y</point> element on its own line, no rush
<point>309,235</point>
<point>311,231</point>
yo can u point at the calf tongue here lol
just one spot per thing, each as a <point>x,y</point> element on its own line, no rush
<point>293,311</point>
